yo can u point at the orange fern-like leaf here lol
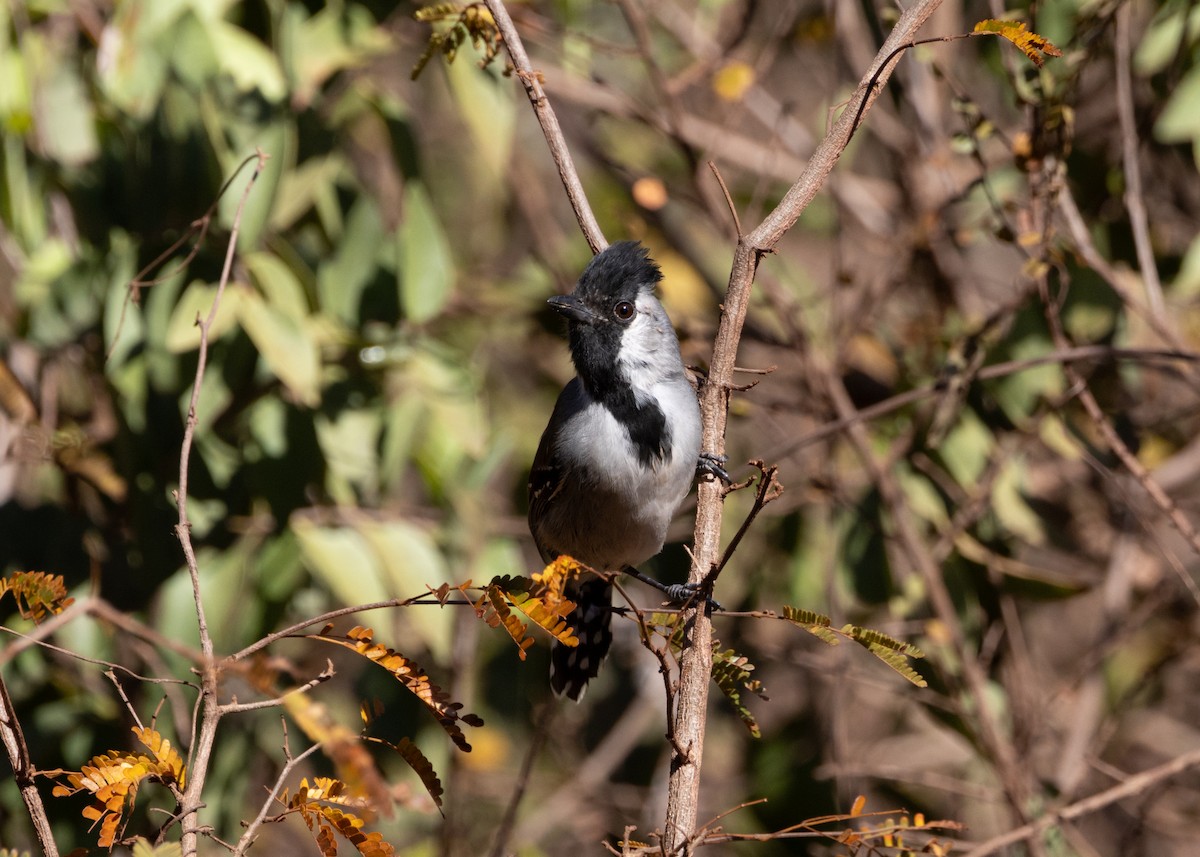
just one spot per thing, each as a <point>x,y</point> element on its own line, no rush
<point>36,593</point>
<point>1034,46</point>
<point>416,760</point>
<point>113,778</point>
<point>540,598</point>
<point>409,674</point>
<point>321,806</point>
<point>493,609</point>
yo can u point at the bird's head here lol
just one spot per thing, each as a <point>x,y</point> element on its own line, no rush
<point>619,332</point>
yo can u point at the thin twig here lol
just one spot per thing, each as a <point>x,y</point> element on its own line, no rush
<point>1135,785</point>
<point>251,833</point>
<point>111,675</point>
<point>23,771</point>
<point>508,821</point>
<point>769,488</point>
<point>733,212</point>
<point>1104,425</point>
<point>546,117</point>
<point>1138,221</point>
<point>986,373</point>
<point>235,707</point>
<point>208,706</point>
<point>199,228</point>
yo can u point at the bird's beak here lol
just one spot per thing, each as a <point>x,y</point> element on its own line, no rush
<point>572,308</point>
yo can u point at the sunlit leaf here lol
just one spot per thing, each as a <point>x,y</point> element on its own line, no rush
<point>286,346</point>
<point>426,270</point>
<point>733,80</point>
<point>183,333</point>
<point>36,593</point>
<point>1036,47</point>
<point>411,676</point>
<point>421,765</point>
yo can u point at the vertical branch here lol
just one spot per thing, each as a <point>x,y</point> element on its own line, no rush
<point>18,757</point>
<point>208,707</point>
<point>550,128</point>
<point>1138,221</point>
<point>683,796</point>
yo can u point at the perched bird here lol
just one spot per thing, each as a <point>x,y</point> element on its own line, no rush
<point>621,448</point>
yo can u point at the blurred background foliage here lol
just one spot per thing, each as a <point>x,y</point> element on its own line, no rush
<point>382,366</point>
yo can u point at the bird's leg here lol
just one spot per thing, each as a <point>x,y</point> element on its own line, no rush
<point>711,463</point>
<point>677,593</point>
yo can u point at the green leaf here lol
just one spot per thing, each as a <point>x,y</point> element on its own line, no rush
<point>965,450</point>
<point>341,280</point>
<point>1180,119</point>
<point>328,42</point>
<point>410,560</point>
<point>489,108</point>
<point>299,189</point>
<point>426,271</point>
<point>66,120</point>
<point>732,674</point>
<point>1160,45</point>
<point>1010,506</point>
<point>889,650</point>
<point>286,346</point>
<point>247,60</point>
<point>183,334</point>
<point>815,623</point>
<point>341,559</point>
<point>350,444</point>
<point>279,284</point>
<point>143,848</point>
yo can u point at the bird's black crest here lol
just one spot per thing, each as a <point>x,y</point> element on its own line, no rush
<point>621,269</point>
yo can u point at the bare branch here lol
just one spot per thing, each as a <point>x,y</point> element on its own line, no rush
<point>252,829</point>
<point>18,757</point>
<point>532,82</point>
<point>1135,785</point>
<point>208,706</point>
<point>1134,201</point>
<point>696,660</point>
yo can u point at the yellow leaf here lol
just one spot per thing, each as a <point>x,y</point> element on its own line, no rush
<point>732,80</point>
<point>1030,43</point>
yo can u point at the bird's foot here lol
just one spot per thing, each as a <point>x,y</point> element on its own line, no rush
<point>712,464</point>
<point>677,593</point>
<point>683,593</point>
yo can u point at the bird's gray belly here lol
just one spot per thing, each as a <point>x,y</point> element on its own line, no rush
<point>603,530</point>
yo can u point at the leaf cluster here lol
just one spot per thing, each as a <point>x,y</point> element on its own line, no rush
<point>113,778</point>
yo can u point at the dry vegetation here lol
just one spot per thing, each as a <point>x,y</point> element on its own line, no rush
<point>973,362</point>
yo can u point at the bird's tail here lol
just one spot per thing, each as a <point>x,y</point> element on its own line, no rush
<point>572,667</point>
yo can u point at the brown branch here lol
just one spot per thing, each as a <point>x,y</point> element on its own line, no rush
<point>208,706</point>
<point>521,787</point>
<point>1139,223</point>
<point>769,488</point>
<point>1112,439</point>
<point>546,117</point>
<point>1135,785</point>
<point>23,771</point>
<point>199,228</point>
<point>696,660</point>
<point>251,833</point>
<point>235,707</point>
<point>986,373</point>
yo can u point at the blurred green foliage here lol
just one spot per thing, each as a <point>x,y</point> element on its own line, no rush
<point>380,369</point>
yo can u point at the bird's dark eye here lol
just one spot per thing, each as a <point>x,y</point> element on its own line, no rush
<point>623,310</point>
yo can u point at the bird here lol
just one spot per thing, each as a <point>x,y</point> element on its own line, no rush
<point>620,451</point>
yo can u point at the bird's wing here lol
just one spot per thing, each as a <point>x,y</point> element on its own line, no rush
<point>547,473</point>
